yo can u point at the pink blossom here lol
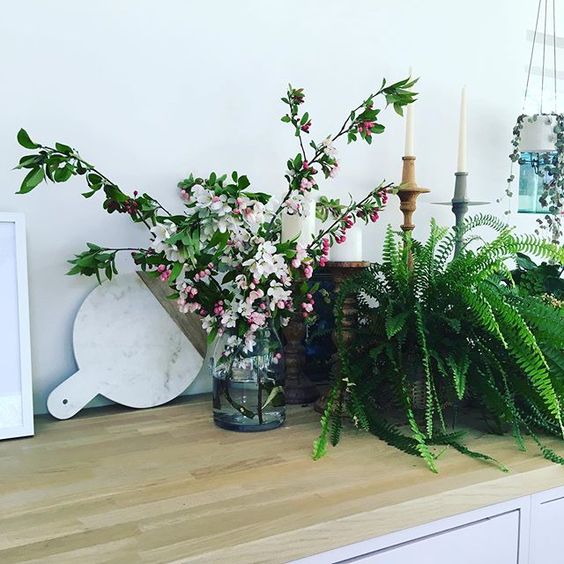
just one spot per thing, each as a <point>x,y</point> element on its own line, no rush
<point>366,127</point>
<point>334,170</point>
<point>308,271</point>
<point>257,318</point>
<point>165,275</point>
<point>306,184</point>
<point>296,263</point>
<point>256,295</point>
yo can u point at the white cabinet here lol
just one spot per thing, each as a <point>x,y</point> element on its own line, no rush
<point>527,530</point>
<point>489,541</point>
<point>547,528</point>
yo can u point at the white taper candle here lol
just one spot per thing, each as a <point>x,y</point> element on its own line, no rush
<point>409,132</point>
<point>462,165</point>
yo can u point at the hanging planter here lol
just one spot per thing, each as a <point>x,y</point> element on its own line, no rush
<point>538,144</point>
<point>538,148</point>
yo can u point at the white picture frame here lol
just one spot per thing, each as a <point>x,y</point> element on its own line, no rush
<point>16,394</point>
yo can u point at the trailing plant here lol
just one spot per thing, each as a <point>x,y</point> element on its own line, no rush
<point>440,331</point>
<point>549,166</point>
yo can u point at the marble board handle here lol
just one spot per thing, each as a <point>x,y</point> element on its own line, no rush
<point>69,397</point>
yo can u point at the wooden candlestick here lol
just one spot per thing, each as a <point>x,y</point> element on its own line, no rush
<point>298,388</point>
<point>341,271</point>
<point>408,193</point>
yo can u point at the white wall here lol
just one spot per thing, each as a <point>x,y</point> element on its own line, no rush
<point>150,90</point>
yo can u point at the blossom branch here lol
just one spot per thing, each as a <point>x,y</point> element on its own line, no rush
<point>352,208</point>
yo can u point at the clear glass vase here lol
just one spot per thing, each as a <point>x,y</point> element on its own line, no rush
<point>248,393</point>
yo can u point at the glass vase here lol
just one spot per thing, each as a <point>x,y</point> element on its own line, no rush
<point>248,393</point>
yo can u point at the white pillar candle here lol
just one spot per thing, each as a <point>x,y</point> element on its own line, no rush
<point>300,226</point>
<point>409,132</point>
<point>462,165</point>
<point>351,249</point>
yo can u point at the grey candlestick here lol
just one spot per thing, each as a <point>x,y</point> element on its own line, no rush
<point>459,205</point>
<point>460,185</point>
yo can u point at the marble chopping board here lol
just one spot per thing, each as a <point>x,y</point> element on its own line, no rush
<point>128,349</point>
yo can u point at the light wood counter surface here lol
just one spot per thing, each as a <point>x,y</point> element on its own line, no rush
<point>164,485</point>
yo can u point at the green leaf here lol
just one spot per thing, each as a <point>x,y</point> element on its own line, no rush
<point>63,174</point>
<point>177,267</point>
<point>29,161</point>
<point>524,262</point>
<point>229,276</point>
<point>396,323</point>
<point>62,148</point>
<point>243,182</point>
<point>25,141</point>
<point>33,178</point>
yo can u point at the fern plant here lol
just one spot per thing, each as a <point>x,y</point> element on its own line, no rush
<point>440,334</point>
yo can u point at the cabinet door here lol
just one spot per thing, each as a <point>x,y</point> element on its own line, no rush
<point>547,527</point>
<point>493,540</point>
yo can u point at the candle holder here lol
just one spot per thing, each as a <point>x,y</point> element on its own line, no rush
<point>459,205</point>
<point>298,388</point>
<point>341,271</point>
<point>408,193</point>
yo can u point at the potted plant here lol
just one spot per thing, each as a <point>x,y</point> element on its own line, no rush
<point>223,256</point>
<point>538,147</point>
<point>449,330</point>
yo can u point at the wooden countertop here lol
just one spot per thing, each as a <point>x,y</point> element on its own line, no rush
<point>165,485</point>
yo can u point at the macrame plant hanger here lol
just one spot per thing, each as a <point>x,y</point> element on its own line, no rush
<point>543,3</point>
